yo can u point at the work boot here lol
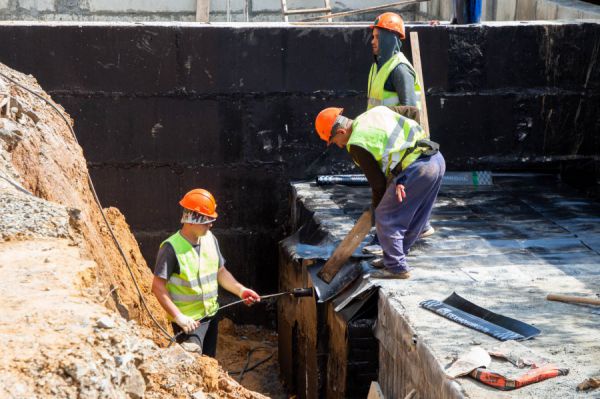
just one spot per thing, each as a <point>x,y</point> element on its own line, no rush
<point>386,274</point>
<point>427,231</point>
<point>377,263</point>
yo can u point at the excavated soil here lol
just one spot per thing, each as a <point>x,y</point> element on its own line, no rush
<point>72,324</point>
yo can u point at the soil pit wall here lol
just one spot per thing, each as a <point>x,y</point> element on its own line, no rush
<point>161,108</point>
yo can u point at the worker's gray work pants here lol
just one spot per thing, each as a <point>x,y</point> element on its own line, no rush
<point>399,224</point>
<point>205,335</point>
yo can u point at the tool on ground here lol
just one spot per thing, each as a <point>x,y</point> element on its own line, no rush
<point>532,376</point>
<point>573,299</point>
<point>343,252</point>
<point>296,293</point>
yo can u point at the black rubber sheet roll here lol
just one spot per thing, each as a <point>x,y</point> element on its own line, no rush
<point>461,311</point>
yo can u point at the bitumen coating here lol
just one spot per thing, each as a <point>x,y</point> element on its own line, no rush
<point>503,247</point>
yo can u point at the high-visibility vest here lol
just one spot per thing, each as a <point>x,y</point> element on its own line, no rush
<point>377,95</point>
<point>387,136</point>
<point>194,289</point>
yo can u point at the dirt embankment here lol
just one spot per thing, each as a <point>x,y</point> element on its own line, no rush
<point>62,278</point>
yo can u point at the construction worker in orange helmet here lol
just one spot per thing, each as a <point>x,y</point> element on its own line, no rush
<point>403,168</point>
<point>393,81</point>
<point>188,272</point>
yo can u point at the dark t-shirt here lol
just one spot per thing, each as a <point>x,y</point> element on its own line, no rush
<point>166,261</point>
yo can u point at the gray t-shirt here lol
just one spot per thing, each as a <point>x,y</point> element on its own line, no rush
<point>166,261</point>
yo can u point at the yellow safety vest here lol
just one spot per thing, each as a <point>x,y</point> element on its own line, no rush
<point>387,136</point>
<point>194,289</point>
<point>377,95</point>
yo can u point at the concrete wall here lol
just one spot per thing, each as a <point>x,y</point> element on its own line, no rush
<point>517,10</point>
<point>160,109</point>
<point>270,10</point>
<point>173,10</point>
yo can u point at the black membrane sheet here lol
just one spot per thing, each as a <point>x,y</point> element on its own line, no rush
<point>461,311</point>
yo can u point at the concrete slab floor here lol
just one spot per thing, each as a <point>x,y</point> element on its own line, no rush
<point>503,247</point>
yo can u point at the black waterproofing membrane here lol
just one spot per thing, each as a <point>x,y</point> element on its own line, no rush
<point>461,311</point>
<point>348,274</point>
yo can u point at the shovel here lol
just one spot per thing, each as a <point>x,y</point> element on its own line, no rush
<point>343,252</point>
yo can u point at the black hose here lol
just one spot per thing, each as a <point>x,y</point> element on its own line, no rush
<point>247,366</point>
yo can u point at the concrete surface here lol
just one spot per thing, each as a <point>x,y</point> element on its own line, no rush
<point>504,248</point>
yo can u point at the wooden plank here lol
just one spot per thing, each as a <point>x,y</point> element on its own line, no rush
<point>343,252</point>
<point>416,57</point>
<point>202,10</point>
<point>573,299</point>
<point>375,391</point>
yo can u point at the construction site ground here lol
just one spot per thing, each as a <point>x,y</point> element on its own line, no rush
<point>73,324</point>
<point>503,247</point>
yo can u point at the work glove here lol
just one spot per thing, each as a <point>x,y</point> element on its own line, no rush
<point>249,296</point>
<point>186,323</point>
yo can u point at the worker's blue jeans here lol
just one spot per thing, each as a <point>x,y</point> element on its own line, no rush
<point>399,224</point>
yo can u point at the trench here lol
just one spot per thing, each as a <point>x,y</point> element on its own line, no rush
<point>162,108</point>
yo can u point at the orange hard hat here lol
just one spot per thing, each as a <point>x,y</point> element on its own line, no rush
<point>200,201</point>
<point>390,21</point>
<point>325,121</point>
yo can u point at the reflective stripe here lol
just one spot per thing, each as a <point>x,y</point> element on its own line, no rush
<point>408,143</point>
<point>385,161</point>
<point>390,101</point>
<point>183,283</point>
<point>194,298</point>
<point>374,102</point>
<point>211,278</point>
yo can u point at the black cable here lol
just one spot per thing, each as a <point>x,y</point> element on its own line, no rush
<point>246,367</point>
<point>91,185</point>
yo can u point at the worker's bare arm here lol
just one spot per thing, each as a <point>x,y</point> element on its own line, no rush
<point>159,289</point>
<point>227,281</point>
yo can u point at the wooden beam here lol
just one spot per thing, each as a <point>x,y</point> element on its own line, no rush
<point>202,10</point>
<point>573,299</point>
<point>416,58</point>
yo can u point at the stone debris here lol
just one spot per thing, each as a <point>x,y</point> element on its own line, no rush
<point>58,336</point>
<point>105,322</point>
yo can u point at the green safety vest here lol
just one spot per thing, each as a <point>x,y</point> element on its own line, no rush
<point>377,95</point>
<point>387,136</point>
<point>194,289</point>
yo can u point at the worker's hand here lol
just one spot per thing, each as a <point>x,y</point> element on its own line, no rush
<point>400,193</point>
<point>249,296</point>
<point>187,323</point>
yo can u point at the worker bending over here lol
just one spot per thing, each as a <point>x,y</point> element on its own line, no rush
<point>189,268</point>
<point>390,148</point>
<point>392,78</point>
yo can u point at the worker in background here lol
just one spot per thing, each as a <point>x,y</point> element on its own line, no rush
<point>189,268</point>
<point>403,169</point>
<point>392,79</point>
